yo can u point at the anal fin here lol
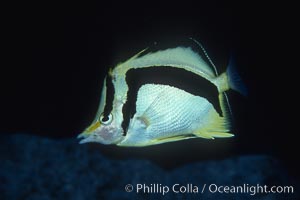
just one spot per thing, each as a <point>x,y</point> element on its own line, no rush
<point>204,134</point>
<point>209,134</point>
<point>171,139</point>
<point>213,135</point>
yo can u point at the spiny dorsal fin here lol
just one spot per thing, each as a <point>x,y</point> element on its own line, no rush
<point>181,57</point>
<point>134,57</point>
<point>206,55</point>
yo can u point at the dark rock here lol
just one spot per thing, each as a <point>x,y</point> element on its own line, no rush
<point>38,168</point>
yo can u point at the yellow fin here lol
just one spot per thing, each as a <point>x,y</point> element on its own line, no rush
<point>160,141</point>
<point>205,135</point>
<point>208,134</point>
<point>226,109</point>
<point>170,139</point>
<point>216,127</point>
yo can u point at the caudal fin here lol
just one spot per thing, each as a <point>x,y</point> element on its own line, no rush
<point>234,80</point>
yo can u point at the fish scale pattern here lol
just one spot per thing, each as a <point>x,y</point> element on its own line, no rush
<point>169,110</point>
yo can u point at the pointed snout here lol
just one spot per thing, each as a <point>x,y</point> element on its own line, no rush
<point>88,131</point>
<point>86,140</point>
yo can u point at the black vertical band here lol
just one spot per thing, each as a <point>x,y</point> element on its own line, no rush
<point>166,75</point>
<point>110,92</point>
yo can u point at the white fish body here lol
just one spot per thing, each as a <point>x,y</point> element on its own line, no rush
<point>159,118</point>
<point>163,112</point>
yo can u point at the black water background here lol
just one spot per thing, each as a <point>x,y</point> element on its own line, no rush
<point>60,52</point>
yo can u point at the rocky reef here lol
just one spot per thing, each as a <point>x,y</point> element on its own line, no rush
<point>38,168</point>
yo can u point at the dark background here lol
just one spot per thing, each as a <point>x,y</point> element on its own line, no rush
<point>60,52</point>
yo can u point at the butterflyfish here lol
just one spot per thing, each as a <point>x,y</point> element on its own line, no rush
<point>163,96</point>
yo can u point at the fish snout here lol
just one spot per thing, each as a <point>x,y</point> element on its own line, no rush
<point>103,135</point>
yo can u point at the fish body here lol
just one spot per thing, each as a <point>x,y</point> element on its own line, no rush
<point>160,97</point>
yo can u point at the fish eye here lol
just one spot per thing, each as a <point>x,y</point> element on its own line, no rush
<point>105,119</point>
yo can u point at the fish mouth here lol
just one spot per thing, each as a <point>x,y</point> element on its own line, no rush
<point>88,131</point>
<point>83,135</point>
<point>85,139</point>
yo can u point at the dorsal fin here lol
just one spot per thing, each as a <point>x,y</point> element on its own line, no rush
<point>206,55</point>
<point>181,57</point>
<point>224,98</point>
<point>134,56</point>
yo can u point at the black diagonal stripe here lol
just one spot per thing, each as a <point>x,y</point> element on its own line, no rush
<point>166,75</point>
<point>110,92</point>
